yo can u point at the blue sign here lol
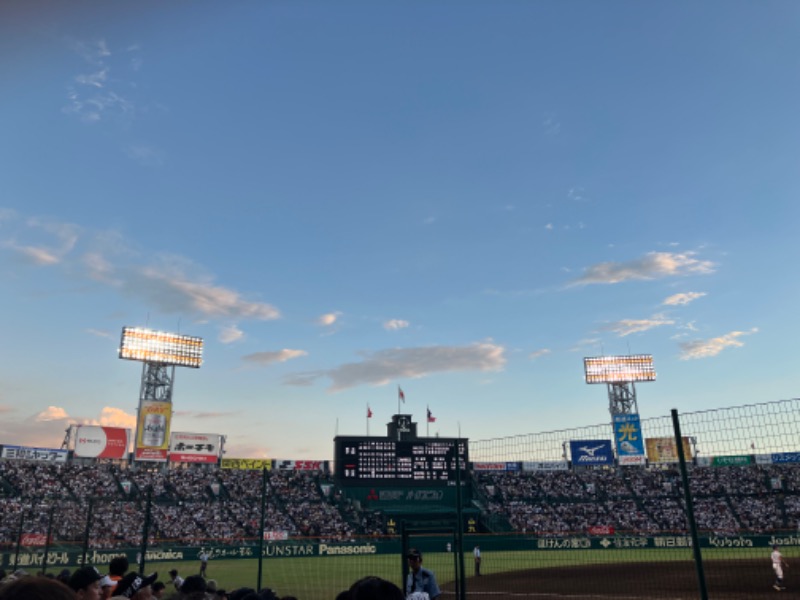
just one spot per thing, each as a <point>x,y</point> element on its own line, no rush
<point>628,436</point>
<point>590,452</point>
<point>786,457</point>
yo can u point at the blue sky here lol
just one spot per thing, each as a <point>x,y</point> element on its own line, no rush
<point>460,198</point>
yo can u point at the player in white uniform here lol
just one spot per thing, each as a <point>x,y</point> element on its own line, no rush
<point>778,565</point>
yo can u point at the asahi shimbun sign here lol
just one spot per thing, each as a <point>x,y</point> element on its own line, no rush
<point>194,447</point>
<point>101,442</point>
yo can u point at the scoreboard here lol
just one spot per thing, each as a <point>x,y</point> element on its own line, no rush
<point>422,461</point>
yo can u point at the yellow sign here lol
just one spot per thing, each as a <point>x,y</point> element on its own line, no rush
<point>247,464</point>
<point>664,450</point>
<point>152,442</point>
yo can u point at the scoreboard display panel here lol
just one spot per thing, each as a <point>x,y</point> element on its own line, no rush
<point>373,461</point>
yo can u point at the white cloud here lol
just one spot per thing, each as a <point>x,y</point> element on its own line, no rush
<point>711,347</point>
<point>395,324</point>
<point>628,326</point>
<point>173,293</point>
<point>230,334</point>
<point>52,413</point>
<point>683,299</point>
<point>146,155</point>
<point>328,319</point>
<point>385,366</point>
<point>654,265</point>
<point>100,334</point>
<point>57,239</point>
<point>267,358</point>
<point>539,353</point>
<point>549,227</point>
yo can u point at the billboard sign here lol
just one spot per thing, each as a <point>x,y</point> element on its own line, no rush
<point>101,442</point>
<point>299,465</point>
<point>152,443</point>
<point>588,453</point>
<point>194,447</point>
<point>246,464</point>
<point>785,457</point>
<point>629,440</point>
<point>37,454</point>
<point>545,465</point>
<point>664,450</point>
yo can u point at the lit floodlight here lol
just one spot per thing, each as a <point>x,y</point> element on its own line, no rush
<point>619,369</point>
<point>147,345</point>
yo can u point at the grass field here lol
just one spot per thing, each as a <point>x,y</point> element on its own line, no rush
<point>321,578</point>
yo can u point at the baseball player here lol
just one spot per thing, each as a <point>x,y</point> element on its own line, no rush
<point>778,565</point>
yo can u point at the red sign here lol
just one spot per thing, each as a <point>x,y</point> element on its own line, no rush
<point>33,539</point>
<point>601,530</point>
<point>101,442</point>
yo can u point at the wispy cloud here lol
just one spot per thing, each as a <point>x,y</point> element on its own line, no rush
<point>328,319</point>
<point>95,94</point>
<point>230,334</point>
<point>55,241</point>
<point>101,334</point>
<point>711,347</point>
<point>395,324</point>
<point>146,155</point>
<point>271,357</point>
<point>539,353</point>
<point>625,327</point>
<point>683,299</point>
<point>385,366</point>
<point>551,125</point>
<point>172,292</point>
<point>169,283</point>
<point>654,265</point>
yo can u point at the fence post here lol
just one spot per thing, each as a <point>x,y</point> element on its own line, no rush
<point>47,539</point>
<point>89,512</point>
<point>461,592</point>
<point>19,537</point>
<point>698,559</point>
<point>261,529</point>
<point>146,529</point>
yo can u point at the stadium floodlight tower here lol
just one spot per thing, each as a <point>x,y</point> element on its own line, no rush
<point>160,352</point>
<point>620,373</point>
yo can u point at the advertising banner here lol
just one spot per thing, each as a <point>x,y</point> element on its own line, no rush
<point>247,464</point>
<point>39,454</point>
<point>152,443</point>
<point>101,442</point>
<point>33,539</point>
<point>488,466</point>
<point>731,461</point>
<point>664,450</point>
<point>588,453</point>
<point>628,436</point>
<point>785,457</point>
<point>194,447</point>
<point>299,465</point>
<point>273,536</point>
<point>545,465</point>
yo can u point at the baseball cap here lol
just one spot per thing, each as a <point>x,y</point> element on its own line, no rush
<point>414,553</point>
<point>84,577</point>
<point>193,583</point>
<point>132,583</point>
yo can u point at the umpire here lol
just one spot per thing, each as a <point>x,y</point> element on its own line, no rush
<point>420,579</point>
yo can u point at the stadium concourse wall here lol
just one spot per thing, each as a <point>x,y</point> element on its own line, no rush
<point>57,558</point>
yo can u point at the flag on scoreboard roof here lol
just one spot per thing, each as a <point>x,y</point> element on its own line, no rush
<point>431,418</point>
<point>400,395</point>
<point>369,412</point>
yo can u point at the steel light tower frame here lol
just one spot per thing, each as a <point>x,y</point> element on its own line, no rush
<point>620,373</point>
<point>160,352</point>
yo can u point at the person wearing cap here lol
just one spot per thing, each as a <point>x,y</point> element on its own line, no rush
<point>107,586</point>
<point>176,579</point>
<point>194,588</point>
<point>85,582</point>
<point>159,589</point>
<point>420,579</point>
<point>135,587</point>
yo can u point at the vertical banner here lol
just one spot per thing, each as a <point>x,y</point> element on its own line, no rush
<point>152,442</point>
<point>628,436</point>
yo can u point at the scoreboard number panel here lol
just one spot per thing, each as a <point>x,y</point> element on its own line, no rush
<point>361,460</point>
